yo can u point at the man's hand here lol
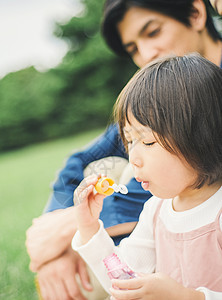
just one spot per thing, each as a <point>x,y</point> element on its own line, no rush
<point>49,236</point>
<point>57,279</point>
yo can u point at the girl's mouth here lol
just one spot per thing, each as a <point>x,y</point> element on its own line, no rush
<point>138,179</point>
<point>145,185</point>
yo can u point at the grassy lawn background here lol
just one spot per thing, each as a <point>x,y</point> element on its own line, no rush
<point>25,176</point>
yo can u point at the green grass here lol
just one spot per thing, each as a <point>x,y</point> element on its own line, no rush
<point>25,176</point>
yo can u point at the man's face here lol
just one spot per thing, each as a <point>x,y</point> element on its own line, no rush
<point>217,4</point>
<point>147,35</point>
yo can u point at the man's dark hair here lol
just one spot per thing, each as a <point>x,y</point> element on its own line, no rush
<point>179,98</point>
<point>114,11</point>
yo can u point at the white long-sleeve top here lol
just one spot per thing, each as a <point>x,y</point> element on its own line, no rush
<point>138,250</point>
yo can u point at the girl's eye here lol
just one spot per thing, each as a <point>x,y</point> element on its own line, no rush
<point>154,32</point>
<point>149,144</point>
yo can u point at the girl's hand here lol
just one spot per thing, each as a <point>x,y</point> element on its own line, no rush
<point>88,206</point>
<point>152,287</point>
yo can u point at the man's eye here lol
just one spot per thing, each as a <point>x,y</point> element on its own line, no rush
<point>154,32</point>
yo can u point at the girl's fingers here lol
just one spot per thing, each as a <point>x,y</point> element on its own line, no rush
<point>84,189</point>
<point>87,181</point>
<point>127,294</point>
<point>127,289</point>
<point>83,195</point>
<point>129,284</point>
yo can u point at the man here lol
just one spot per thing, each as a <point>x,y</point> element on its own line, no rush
<point>143,30</point>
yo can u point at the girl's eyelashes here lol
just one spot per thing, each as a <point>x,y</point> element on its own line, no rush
<point>149,144</point>
<point>129,142</point>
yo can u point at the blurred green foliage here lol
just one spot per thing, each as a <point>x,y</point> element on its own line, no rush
<point>75,96</point>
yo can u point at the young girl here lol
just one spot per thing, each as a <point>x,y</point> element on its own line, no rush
<point>170,119</point>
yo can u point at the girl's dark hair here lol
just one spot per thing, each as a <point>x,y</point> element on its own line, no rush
<point>114,11</point>
<point>180,99</point>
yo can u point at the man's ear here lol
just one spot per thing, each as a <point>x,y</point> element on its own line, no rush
<point>198,17</point>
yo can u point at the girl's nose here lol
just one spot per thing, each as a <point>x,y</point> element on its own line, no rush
<point>134,157</point>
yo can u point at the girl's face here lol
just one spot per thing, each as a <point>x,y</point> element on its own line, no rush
<point>147,35</point>
<point>163,174</point>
